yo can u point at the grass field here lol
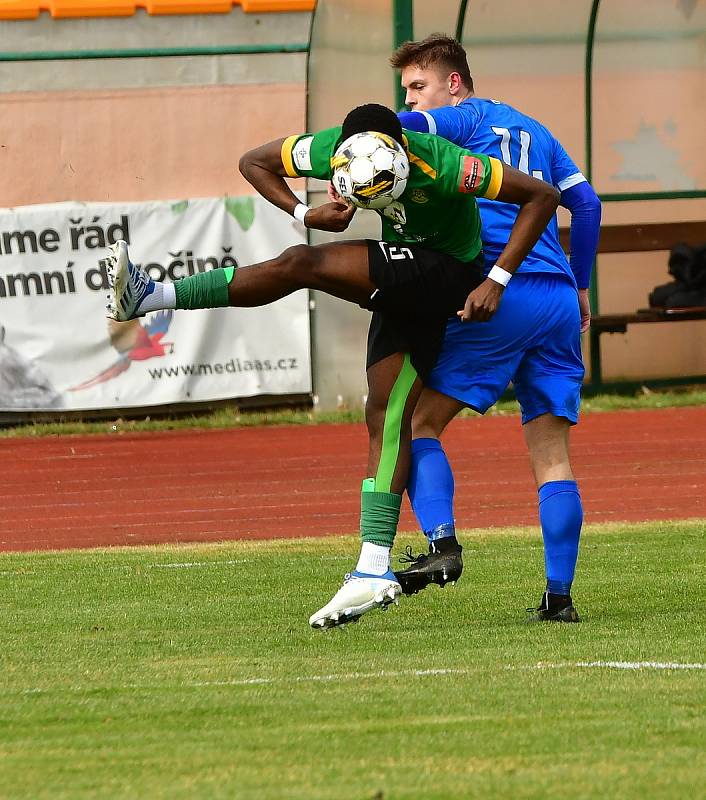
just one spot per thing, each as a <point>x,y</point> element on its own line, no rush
<point>232,417</point>
<point>190,672</point>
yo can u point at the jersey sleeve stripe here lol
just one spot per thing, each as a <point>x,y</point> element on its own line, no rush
<point>431,122</point>
<point>287,160</point>
<point>496,178</point>
<point>572,180</point>
<point>419,162</point>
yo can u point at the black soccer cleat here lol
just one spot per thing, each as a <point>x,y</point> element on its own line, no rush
<point>554,608</point>
<point>440,567</point>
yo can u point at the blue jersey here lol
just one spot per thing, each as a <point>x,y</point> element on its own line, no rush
<point>496,129</point>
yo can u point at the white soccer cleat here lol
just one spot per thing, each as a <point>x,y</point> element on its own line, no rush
<point>359,594</point>
<point>129,285</point>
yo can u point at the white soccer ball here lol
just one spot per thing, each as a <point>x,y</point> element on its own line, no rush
<point>370,169</point>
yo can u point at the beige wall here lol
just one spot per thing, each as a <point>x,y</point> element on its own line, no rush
<point>144,128</point>
<point>147,144</point>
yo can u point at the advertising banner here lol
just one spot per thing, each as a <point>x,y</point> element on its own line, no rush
<point>58,350</point>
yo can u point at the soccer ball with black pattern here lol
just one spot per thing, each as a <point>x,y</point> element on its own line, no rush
<point>370,169</point>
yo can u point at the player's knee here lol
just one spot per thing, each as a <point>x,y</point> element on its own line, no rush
<point>550,461</point>
<point>425,426</point>
<point>298,262</point>
<point>428,422</point>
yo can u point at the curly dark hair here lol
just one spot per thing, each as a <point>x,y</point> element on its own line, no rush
<point>372,117</point>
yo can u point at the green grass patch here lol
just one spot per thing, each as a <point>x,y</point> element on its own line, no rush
<point>233,417</point>
<point>191,672</point>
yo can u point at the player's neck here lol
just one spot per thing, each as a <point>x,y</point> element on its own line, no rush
<point>462,98</point>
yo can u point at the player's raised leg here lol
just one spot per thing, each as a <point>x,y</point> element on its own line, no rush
<point>394,387</point>
<point>338,269</point>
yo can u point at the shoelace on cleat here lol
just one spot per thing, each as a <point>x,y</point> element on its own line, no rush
<point>540,607</point>
<point>408,556</point>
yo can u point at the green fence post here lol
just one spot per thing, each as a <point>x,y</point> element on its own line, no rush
<point>594,338</point>
<point>402,31</point>
<point>460,20</point>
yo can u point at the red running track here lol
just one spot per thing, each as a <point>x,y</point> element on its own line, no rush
<point>249,483</point>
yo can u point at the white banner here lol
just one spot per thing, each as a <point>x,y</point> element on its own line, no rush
<point>58,351</point>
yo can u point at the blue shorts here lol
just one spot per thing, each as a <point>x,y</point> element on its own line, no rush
<point>532,341</point>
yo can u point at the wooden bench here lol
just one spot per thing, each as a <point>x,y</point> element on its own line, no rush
<point>638,238</point>
<point>641,239</point>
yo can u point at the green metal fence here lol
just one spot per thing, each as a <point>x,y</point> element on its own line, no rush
<point>627,21</point>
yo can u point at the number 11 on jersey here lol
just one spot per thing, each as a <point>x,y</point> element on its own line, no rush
<point>525,142</point>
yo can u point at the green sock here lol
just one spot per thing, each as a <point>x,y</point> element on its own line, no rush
<point>379,515</point>
<point>204,290</point>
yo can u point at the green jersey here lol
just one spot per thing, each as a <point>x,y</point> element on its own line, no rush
<point>437,208</point>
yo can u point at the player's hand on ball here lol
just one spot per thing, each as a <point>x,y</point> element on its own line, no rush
<point>482,302</point>
<point>333,195</point>
<point>334,217</point>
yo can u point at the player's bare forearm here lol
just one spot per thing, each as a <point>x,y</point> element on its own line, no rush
<point>263,169</point>
<point>538,202</point>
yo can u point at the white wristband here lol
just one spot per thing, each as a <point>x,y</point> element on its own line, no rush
<point>500,275</point>
<point>300,212</point>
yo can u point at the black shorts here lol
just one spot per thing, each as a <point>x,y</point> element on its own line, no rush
<point>417,291</point>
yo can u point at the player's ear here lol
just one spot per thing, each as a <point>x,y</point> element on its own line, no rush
<point>454,83</point>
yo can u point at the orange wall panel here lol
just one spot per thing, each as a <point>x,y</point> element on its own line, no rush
<point>30,9</point>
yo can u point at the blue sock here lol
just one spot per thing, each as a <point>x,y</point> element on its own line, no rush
<point>561,517</point>
<point>431,489</point>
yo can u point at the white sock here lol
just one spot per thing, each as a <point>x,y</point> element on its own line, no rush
<point>374,559</point>
<point>163,296</point>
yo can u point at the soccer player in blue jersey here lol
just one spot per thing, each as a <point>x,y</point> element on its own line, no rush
<point>532,339</point>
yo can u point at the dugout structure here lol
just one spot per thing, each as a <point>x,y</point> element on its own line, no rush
<point>621,83</point>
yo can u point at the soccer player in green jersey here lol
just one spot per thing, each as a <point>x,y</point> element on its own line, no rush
<point>426,268</point>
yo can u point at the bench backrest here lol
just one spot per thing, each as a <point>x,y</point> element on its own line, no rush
<point>634,238</point>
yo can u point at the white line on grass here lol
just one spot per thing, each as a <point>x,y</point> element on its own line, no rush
<point>629,665</point>
<point>420,673</point>
<point>638,665</point>
<point>412,673</point>
<point>347,676</point>
<point>189,564</point>
<point>425,672</point>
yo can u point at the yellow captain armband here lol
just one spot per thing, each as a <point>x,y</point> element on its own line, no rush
<point>287,157</point>
<point>496,178</point>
